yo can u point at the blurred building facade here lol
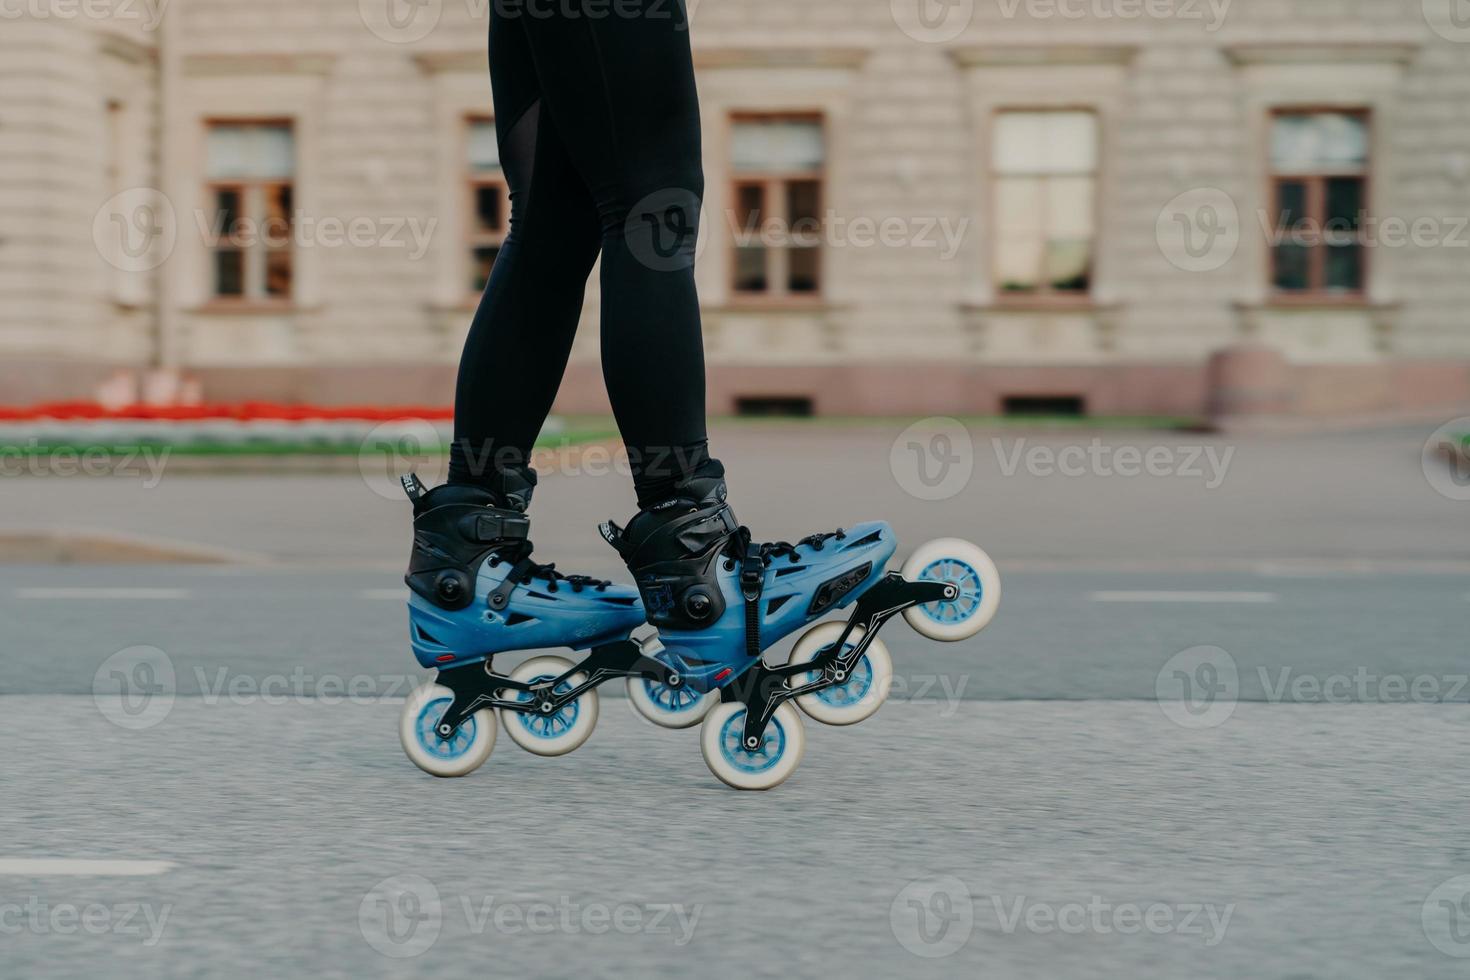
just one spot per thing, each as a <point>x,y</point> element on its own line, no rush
<point>919,206</point>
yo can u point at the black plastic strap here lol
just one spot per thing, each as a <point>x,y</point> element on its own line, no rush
<point>413,486</point>
<point>491,527</point>
<point>752,583</point>
<point>499,596</point>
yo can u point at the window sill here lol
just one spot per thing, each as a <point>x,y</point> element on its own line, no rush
<point>1317,301</point>
<point>1040,304</point>
<point>247,308</point>
<point>773,304</point>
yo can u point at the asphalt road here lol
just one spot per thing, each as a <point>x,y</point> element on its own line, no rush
<point>1022,839</point>
<point>1215,732</point>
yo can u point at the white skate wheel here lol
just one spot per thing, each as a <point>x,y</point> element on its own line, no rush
<point>722,742</point>
<point>853,699</point>
<point>459,755</point>
<point>667,707</point>
<point>553,734</point>
<point>964,566</point>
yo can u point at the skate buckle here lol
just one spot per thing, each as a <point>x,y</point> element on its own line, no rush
<point>752,576</point>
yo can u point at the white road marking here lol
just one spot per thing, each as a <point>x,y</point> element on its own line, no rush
<point>52,867</point>
<point>1256,597</point>
<point>386,595</point>
<point>102,593</point>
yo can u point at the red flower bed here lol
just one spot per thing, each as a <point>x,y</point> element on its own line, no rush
<point>242,412</point>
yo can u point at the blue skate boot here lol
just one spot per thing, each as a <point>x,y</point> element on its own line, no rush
<point>720,600</point>
<point>475,592</point>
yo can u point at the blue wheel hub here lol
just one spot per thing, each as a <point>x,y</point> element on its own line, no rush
<point>859,682</point>
<point>426,725</point>
<point>953,571</point>
<point>674,700</point>
<point>732,736</point>
<point>553,725</point>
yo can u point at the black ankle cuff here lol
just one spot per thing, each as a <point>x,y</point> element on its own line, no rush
<point>660,475</point>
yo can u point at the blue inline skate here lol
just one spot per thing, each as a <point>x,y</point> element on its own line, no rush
<point>474,593</point>
<point>720,600</point>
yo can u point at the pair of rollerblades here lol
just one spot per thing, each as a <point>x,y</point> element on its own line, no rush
<point>719,601</point>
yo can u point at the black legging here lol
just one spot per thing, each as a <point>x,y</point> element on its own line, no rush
<point>598,124</point>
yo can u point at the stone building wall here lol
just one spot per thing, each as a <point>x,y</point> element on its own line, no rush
<point>1183,90</point>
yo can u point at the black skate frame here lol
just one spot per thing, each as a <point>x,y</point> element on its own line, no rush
<point>763,688</point>
<point>477,686</point>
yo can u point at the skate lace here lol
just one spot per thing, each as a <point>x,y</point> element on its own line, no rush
<point>524,569</point>
<point>769,551</point>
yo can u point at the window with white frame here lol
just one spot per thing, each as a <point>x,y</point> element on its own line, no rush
<point>1044,167</point>
<point>778,165</point>
<point>1319,175</point>
<point>251,171</point>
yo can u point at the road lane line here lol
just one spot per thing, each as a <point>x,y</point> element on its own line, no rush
<point>385,595</point>
<point>55,867</point>
<point>102,593</point>
<point>1249,597</point>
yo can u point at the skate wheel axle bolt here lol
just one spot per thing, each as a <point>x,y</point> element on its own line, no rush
<point>752,743</point>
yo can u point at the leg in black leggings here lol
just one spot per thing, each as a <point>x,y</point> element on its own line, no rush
<point>598,123</point>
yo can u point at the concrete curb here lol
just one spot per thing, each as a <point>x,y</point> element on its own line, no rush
<point>87,547</point>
